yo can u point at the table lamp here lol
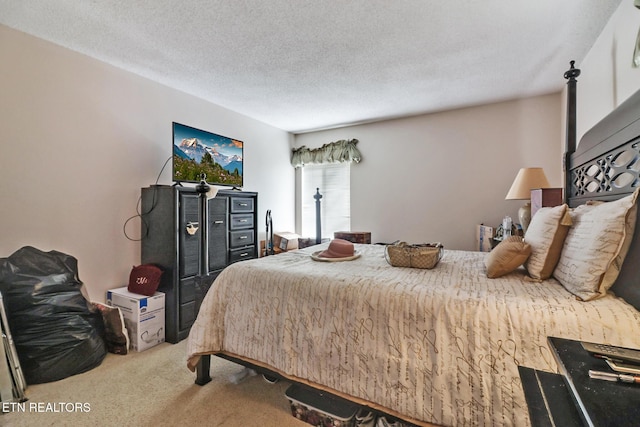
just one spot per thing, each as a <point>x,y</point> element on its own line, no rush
<point>526,180</point>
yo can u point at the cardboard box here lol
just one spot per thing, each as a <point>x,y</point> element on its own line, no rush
<point>143,316</point>
<point>285,240</point>
<point>544,198</point>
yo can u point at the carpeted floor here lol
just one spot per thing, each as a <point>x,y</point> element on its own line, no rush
<point>153,388</point>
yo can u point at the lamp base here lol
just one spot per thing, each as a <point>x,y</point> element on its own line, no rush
<point>524,216</point>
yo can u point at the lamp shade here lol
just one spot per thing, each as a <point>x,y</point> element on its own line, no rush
<point>526,180</point>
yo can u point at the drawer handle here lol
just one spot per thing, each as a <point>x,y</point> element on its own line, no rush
<point>218,222</point>
<point>192,228</point>
<point>244,237</point>
<point>244,205</point>
<point>243,220</point>
<point>244,254</point>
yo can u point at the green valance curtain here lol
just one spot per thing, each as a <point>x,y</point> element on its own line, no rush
<point>338,151</point>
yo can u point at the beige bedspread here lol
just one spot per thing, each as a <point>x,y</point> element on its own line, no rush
<point>439,345</point>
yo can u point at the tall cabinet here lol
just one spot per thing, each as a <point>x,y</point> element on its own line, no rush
<point>171,240</point>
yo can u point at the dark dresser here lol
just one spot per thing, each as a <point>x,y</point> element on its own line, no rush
<point>171,240</point>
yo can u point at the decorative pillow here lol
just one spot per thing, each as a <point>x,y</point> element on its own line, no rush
<point>546,234</point>
<point>595,246</point>
<point>144,279</point>
<point>510,254</point>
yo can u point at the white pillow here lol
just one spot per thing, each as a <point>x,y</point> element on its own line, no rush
<point>546,235</point>
<point>595,246</point>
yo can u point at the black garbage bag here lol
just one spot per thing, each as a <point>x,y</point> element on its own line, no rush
<point>56,335</point>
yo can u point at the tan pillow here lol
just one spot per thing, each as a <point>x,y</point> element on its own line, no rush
<point>546,234</point>
<point>510,254</point>
<point>596,246</point>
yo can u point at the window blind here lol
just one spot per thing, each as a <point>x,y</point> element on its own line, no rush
<point>333,180</point>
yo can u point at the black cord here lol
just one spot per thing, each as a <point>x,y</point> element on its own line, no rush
<point>139,214</point>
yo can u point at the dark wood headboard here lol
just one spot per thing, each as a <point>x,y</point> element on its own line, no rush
<point>605,167</point>
<point>606,163</point>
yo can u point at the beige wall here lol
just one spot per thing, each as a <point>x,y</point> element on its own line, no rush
<point>607,78</point>
<point>79,138</point>
<point>434,177</point>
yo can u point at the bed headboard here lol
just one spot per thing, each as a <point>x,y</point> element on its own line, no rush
<point>605,166</point>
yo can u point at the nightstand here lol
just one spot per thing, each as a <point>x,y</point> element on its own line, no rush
<point>571,398</point>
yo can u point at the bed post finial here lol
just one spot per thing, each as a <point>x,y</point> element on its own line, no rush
<point>572,72</point>
<point>318,196</point>
<point>570,146</point>
<point>571,75</point>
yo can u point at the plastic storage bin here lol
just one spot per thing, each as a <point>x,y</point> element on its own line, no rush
<point>319,408</point>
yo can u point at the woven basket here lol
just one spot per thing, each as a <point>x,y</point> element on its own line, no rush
<point>425,255</point>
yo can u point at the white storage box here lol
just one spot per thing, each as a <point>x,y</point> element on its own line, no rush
<point>143,316</point>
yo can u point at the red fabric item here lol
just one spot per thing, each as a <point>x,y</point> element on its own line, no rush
<point>144,279</point>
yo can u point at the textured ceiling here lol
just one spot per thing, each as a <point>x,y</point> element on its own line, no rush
<point>303,65</point>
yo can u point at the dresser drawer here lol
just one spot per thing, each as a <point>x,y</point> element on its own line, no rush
<point>241,221</point>
<point>189,256</point>
<point>218,206</point>
<point>189,244</point>
<point>241,204</point>
<point>187,289</point>
<point>187,314</point>
<point>242,254</point>
<point>241,238</point>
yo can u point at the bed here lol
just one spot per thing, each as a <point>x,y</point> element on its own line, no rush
<point>441,346</point>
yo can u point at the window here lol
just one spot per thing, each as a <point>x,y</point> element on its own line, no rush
<point>333,180</point>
